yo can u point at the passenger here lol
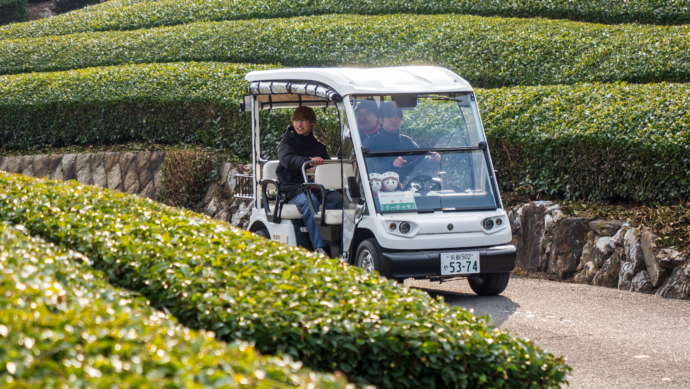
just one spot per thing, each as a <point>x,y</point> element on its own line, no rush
<point>389,139</point>
<point>297,146</point>
<point>368,120</point>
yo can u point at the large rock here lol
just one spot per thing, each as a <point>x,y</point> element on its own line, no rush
<point>608,275</point>
<point>641,283</point>
<point>68,164</point>
<point>10,164</point>
<point>529,228</point>
<point>99,177</point>
<point>83,169</point>
<point>633,262</point>
<point>131,180</point>
<point>657,274</point>
<point>677,285</point>
<point>587,273</point>
<point>670,258</point>
<point>586,255</point>
<point>148,191</point>
<point>618,239</point>
<point>113,175</point>
<point>240,211</point>
<point>569,238</point>
<point>605,227</point>
<point>111,160</point>
<point>602,250</point>
<point>27,165</point>
<point>45,165</point>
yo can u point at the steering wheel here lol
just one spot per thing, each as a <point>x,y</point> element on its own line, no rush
<point>423,183</point>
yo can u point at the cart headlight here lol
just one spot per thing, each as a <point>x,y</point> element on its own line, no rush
<point>401,228</point>
<point>491,223</point>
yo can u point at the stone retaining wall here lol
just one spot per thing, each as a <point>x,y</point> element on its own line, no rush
<point>598,252</point>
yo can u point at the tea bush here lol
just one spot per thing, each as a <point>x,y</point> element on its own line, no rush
<point>327,314</point>
<point>489,52</point>
<point>138,15</point>
<point>62,325</point>
<point>164,103</point>
<point>608,142</point>
<point>587,141</point>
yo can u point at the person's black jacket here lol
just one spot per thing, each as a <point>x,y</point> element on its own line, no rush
<point>295,149</point>
<point>390,141</point>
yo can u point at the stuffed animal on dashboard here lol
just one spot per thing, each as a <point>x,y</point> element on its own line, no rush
<point>390,181</point>
<point>375,181</point>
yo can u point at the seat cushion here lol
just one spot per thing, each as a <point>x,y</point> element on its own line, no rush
<point>290,211</point>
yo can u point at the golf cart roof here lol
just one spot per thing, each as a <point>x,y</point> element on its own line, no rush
<point>338,82</point>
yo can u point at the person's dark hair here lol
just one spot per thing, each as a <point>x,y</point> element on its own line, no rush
<point>304,113</point>
<point>369,106</point>
<point>389,109</point>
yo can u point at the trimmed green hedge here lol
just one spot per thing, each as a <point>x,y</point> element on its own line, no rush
<point>591,141</point>
<point>62,325</point>
<point>12,11</point>
<point>487,51</point>
<point>172,12</point>
<point>327,314</point>
<point>165,103</point>
<point>607,142</point>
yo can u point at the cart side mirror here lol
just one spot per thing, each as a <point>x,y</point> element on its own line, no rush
<point>353,188</point>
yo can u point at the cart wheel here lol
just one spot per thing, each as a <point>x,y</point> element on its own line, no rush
<point>369,256</point>
<point>263,232</point>
<point>490,284</point>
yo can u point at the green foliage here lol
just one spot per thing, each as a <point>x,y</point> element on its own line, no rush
<point>12,11</point>
<point>164,103</point>
<point>486,51</point>
<point>62,325</point>
<point>185,177</point>
<point>321,311</point>
<point>591,141</point>
<point>138,15</point>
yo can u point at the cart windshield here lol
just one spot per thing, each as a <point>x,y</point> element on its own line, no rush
<point>426,153</point>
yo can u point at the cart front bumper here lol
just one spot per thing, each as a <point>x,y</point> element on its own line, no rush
<point>427,263</point>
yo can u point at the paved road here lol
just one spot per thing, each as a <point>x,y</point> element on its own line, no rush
<point>612,339</point>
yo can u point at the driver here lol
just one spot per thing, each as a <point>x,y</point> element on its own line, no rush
<point>390,138</point>
<point>368,121</point>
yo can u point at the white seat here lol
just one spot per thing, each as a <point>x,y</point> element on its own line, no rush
<point>290,211</point>
<point>269,170</point>
<point>328,175</point>
<point>331,177</point>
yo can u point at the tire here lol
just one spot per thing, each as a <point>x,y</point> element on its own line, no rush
<point>490,284</point>
<point>369,256</point>
<point>263,232</point>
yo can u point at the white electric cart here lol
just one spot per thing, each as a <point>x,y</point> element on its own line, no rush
<point>442,219</point>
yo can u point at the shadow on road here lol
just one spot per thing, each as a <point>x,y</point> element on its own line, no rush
<point>498,308</point>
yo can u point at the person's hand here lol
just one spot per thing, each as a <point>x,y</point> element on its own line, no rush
<point>315,161</point>
<point>399,162</point>
<point>434,156</point>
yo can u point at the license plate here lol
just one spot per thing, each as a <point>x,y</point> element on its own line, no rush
<point>461,262</point>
